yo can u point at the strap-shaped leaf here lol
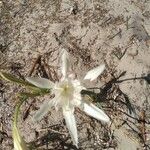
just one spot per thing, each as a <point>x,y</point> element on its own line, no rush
<point>19,143</point>
<point>12,78</point>
<point>33,88</point>
<point>34,94</point>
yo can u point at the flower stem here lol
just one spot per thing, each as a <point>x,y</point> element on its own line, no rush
<point>17,109</point>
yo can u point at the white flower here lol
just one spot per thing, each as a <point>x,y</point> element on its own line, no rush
<point>94,73</point>
<point>68,96</point>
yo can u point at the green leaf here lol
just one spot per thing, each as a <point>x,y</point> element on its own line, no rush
<point>22,98</point>
<point>31,87</point>
<point>34,94</point>
<point>9,77</point>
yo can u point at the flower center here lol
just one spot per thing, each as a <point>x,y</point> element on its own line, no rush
<point>65,92</point>
<point>67,89</point>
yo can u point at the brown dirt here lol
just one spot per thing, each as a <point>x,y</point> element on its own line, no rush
<point>114,32</point>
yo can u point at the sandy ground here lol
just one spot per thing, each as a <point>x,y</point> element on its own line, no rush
<point>114,32</point>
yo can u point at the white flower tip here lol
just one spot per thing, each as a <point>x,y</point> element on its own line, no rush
<point>76,145</point>
<point>65,62</point>
<point>64,51</point>
<point>106,119</point>
<point>35,119</point>
<point>71,125</point>
<point>44,108</point>
<point>95,112</point>
<point>75,142</point>
<point>94,73</point>
<point>109,123</point>
<point>103,118</point>
<point>40,82</point>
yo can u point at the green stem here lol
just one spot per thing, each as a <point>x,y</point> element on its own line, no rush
<point>17,109</point>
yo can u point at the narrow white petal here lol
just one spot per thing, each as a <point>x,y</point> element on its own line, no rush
<point>65,63</point>
<point>95,112</point>
<point>71,125</point>
<point>40,82</point>
<point>94,73</point>
<point>76,101</point>
<point>45,107</point>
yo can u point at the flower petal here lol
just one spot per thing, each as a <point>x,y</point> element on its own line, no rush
<point>95,112</point>
<point>40,82</point>
<point>65,63</point>
<point>94,73</point>
<point>71,125</point>
<point>45,107</point>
